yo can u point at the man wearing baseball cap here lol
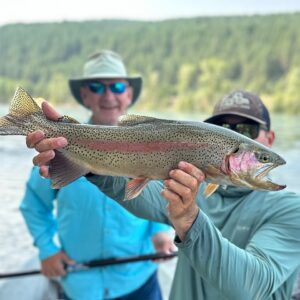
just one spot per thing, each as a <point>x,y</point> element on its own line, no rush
<point>245,113</point>
<point>89,224</point>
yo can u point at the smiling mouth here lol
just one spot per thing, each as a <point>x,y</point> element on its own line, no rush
<point>109,107</point>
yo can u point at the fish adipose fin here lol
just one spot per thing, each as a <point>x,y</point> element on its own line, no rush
<point>210,189</point>
<point>67,119</point>
<point>63,171</point>
<point>22,106</point>
<point>135,186</point>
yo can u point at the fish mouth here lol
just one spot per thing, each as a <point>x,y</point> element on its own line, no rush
<point>264,170</point>
<point>264,181</point>
<point>256,178</point>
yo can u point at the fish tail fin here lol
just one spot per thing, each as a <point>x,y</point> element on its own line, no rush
<point>22,107</point>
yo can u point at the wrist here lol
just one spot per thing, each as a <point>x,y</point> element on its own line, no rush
<point>182,225</point>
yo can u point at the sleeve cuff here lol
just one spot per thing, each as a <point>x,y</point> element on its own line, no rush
<point>193,232</point>
<point>50,250</point>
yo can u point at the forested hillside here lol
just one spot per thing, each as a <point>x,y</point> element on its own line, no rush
<point>187,64</point>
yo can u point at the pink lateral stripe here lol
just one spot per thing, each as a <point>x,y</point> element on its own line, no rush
<point>124,147</point>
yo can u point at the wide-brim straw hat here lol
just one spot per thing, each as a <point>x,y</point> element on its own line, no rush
<point>105,64</point>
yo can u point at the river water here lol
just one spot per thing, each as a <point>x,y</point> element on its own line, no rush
<point>15,161</point>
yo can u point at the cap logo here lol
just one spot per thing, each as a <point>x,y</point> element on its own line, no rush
<point>236,100</point>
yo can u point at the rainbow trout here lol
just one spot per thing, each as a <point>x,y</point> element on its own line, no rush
<point>145,148</point>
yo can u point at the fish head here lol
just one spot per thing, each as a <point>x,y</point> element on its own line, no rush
<point>249,165</point>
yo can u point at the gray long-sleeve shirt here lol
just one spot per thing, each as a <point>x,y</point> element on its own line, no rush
<point>243,245</point>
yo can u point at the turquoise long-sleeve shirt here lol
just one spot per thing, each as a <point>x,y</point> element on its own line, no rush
<point>90,226</point>
<point>243,244</point>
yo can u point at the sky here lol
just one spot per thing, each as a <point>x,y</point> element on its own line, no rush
<point>32,11</point>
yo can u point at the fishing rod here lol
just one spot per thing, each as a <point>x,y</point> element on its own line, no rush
<point>98,263</point>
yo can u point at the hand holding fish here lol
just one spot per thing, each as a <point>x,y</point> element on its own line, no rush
<point>45,147</point>
<point>181,191</point>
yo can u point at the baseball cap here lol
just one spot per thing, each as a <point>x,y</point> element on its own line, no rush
<point>241,103</point>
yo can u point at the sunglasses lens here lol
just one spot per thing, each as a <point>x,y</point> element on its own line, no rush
<point>97,87</point>
<point>249,130</point>
<point>118,87</point>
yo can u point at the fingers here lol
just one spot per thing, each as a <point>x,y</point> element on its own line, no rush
<point>37,140</point>
<point>55,265</point>
<point>53,270</point>
<point>44,158</point>
<point>192,170</point>
<point>46,148</point>
<point>183,183</point>
<point>51,144</point>
<point>67,260</point>
<point>33,138</point>
<point>50,112</point>
<point>44,171</point>
<point>181,193</point>
<point>173,198</point>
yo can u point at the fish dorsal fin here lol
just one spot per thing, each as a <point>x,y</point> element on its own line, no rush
<point>63,171</point>
<point>22,104</point>
<point>132,120</point>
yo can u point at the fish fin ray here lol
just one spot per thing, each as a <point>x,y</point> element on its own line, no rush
<point>135,186</point>
<point>210,189</point>
<point>23,104</point>
<point>21,107</point>
<point>63,171</point>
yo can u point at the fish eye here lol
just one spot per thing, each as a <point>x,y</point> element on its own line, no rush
<point>263,157</point>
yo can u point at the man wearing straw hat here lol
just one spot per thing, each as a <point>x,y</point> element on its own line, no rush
<point>86,230</point>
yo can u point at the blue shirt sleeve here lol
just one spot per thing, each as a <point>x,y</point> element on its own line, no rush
<point>37,210</point>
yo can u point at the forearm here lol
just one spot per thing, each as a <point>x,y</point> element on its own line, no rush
<point>42,229</point>
<point>36,208</point>
<point>234,272</point>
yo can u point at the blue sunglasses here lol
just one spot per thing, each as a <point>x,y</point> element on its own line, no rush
<point>100,88</point>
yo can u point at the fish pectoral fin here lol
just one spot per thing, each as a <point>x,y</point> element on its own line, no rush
<point>135,186</point>
<point>210,189</point>
<point>63,171</point>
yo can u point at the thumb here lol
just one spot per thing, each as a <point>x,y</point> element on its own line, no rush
<point>67,260</point>
<point>50,112</point>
